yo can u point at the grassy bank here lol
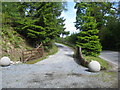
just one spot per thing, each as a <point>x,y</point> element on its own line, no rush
<point>104,64</point>
<point>12,43</point>
<point>52,51</point>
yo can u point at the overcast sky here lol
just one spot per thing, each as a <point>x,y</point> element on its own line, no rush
<point>70,17</point>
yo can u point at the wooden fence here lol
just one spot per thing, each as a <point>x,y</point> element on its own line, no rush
<point>32,54</point>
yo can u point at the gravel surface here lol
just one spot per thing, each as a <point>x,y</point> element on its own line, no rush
<point>57,71</point>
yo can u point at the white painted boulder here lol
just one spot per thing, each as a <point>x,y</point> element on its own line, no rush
<point>94,66</point>
<point>5,61</point>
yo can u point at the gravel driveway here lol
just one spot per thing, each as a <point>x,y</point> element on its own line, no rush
<point>57,71</point>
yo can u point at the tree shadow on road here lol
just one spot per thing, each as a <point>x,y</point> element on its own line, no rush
<point>78,61</point>
<point>69,55</point>
<point>59,46</point>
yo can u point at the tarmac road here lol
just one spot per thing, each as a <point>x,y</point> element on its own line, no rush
<point>111,56</point>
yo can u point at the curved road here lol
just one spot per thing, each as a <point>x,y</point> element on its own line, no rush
<point>57,71</point>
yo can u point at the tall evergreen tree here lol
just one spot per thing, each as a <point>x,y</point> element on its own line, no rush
<point>88,37</point>
<point>109,33</point>
<point>39,21</point>
<point>106,18</point>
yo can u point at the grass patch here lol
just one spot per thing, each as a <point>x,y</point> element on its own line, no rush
<point>52,51</point>
<point>103,63</point>
<point>36,60</point>
<point>107,77</point>
<point>12,43</point>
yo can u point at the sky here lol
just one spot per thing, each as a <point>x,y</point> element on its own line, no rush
<point>70,16</point>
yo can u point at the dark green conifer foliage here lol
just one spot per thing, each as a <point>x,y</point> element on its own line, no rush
<point>37,21</point>
<point>88,37</point>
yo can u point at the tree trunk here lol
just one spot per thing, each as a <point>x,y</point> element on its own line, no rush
<point>62,39</point>
<point>79,53</point>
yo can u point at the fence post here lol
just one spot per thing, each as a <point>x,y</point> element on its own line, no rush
<point>31,54</point>
<point>42,50</point>
<point>22,56</point>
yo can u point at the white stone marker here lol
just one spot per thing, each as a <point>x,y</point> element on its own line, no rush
<point>94,66</point>
<point>5,61</point>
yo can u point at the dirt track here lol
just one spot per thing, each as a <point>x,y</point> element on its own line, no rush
<point>57,71</point>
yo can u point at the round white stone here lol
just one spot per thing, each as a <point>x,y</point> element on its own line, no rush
<point>94,66</point>
<point>5,61</point>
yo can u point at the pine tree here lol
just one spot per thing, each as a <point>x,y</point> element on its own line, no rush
<point>39,21</point>
<point>88,37</point>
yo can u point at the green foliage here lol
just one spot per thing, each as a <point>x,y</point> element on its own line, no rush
<point>68,40</point>
<point>59,40</point>
<point>72,39</point>
<point>11,36</point>
<point>110,33</point>
<point>88,37</point>
<point>97,19</point>
<point>36,21</point>
<point>9,12</point>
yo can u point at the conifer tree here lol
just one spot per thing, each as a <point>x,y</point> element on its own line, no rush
<point>88,37</point>
<point>39,21</point>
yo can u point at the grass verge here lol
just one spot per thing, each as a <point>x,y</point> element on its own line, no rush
<point>52,51</point>
<point>104,64</point>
